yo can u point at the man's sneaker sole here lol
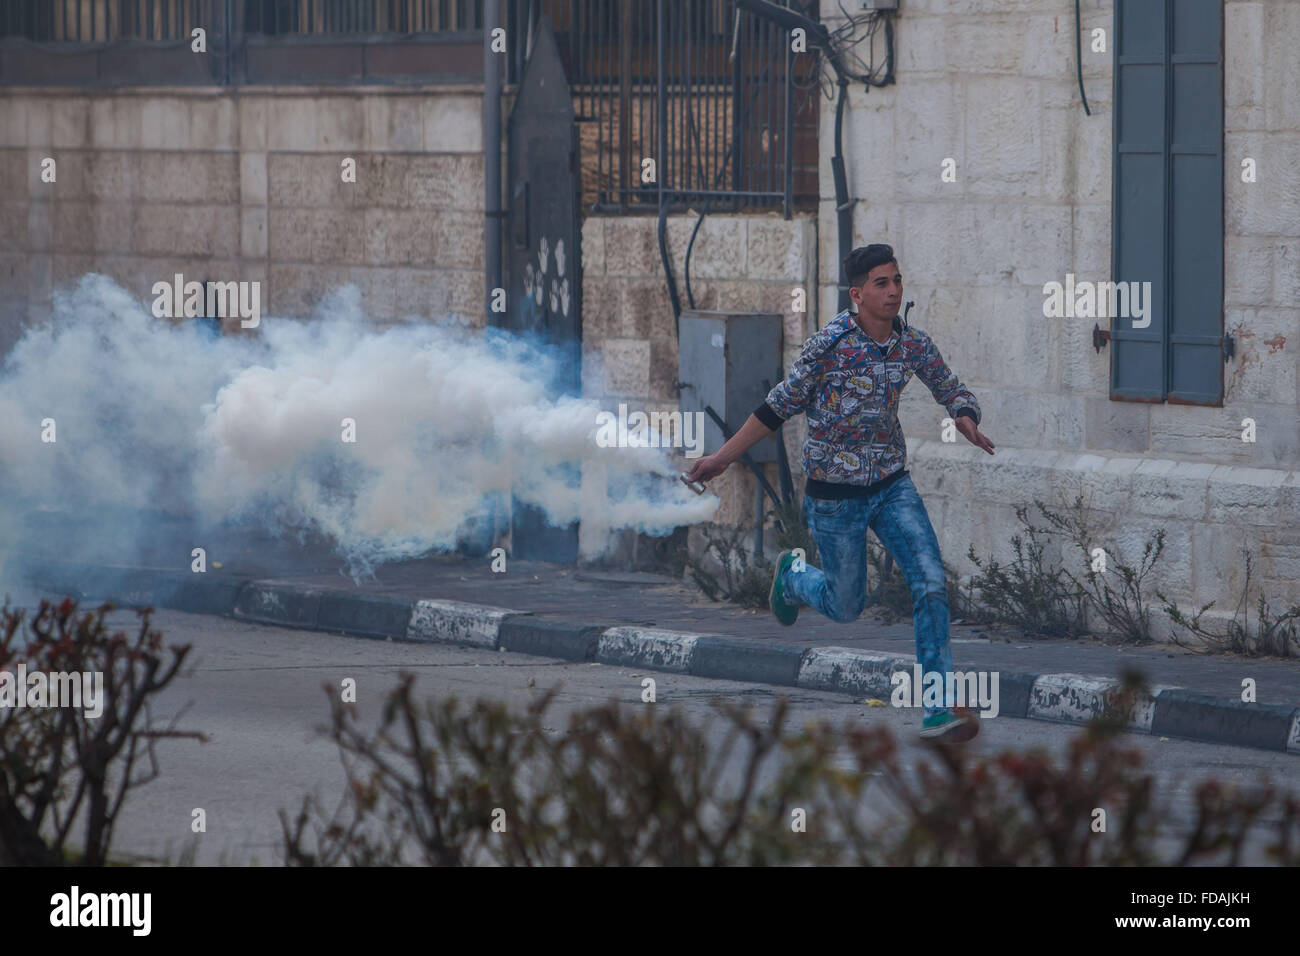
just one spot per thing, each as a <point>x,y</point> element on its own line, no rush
<point>786,614</point>
<point>957,731</point>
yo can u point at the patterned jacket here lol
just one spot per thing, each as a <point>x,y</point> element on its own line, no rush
<point>849,387</point>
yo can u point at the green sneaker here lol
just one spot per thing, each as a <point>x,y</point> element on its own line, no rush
<point>950,727</point>
<point>784,612</point>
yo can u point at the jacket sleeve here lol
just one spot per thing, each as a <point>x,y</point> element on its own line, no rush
<point>943,383</point>
<point>793,395</point>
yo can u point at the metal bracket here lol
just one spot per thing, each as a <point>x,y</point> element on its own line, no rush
<point>1229,348</point>
<point>766,485</point>
<point>1100,337</point>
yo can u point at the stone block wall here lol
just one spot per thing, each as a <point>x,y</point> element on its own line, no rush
<point>991,84</point>
<point>245,185</point>
<point>739,263</point>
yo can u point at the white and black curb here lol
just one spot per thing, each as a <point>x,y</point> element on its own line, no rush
<point>839,668</point>
<point>453,622</point>
<point>1162,710</point>
<point>1078,698</point>
<point>647,647</point>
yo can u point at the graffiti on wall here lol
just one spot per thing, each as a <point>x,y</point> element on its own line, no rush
<point>542,285</point>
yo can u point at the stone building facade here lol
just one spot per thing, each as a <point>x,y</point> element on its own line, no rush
<point>246,184</point>
<point>992,85</point>
<point>243,182</point>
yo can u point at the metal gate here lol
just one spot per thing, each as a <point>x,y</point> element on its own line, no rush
<point>544,262</point>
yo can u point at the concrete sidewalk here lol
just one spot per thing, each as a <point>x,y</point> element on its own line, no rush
<point>657,622</point>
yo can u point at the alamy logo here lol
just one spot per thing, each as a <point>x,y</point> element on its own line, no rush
<point>58,689</point>
<point>181,299</point>
<point>655,430</point>
<point>1098,300</point>
<point>102,909</point>
<point>974,689</point>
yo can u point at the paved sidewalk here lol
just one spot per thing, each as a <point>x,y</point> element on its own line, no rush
<point>656,621</point>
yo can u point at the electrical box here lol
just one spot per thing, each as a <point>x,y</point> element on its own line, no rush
<point>723,360</point>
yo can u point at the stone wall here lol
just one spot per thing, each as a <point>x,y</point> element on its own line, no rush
<point>992,85</point>
<point>245,185</point>
<point>739,263</point>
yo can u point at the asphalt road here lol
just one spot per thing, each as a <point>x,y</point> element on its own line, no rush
<point>257,692</point>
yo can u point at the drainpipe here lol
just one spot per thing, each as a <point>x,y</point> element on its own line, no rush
<point>491,156</point>
<point>499,520</point>
<point>843,204</point>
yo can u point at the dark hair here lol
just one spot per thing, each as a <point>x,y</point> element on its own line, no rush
<point>859,263</point>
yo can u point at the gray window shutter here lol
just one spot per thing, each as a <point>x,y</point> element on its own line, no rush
<point>1167,202</point>
<point>1195,319</point>
<point>1139,185</point>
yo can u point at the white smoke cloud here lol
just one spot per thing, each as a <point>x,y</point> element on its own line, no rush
<point>151,416</point>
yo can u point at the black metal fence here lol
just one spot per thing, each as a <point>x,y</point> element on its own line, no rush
<point>712,95</point>
<point>350,16</point>
<point>92,43</point>
<point>103,21</point>
<point>100,21</point>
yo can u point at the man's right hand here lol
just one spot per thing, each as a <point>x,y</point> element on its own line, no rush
<point>707,468</point>
<point>710,466</point>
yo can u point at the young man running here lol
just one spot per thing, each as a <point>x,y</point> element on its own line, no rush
<point>848,379</point>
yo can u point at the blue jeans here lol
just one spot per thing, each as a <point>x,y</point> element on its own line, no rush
<point>838,589</point>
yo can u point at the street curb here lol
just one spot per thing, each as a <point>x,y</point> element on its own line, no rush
<point>734,658</point>
<point>1163,710</point>
<point>647,647</point>
<point>1184,713</point>
<point>455,622</point>
<point>1079,698</point>
<point>525,634</point>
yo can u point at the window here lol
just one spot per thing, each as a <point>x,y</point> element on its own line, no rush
<point>1167,201</point>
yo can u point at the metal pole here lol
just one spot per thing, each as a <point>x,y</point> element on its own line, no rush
<point>492,156</point>
<point>788,133</point>
<point>661,55</point>
<point>500,521</point>
<point>746,460</point>
<point>227,66</point>
<point>532,28</point>
<point>625,97</point>
<point>738,158</point>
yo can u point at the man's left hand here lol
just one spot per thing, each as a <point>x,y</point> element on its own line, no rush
<point>967,427</point>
